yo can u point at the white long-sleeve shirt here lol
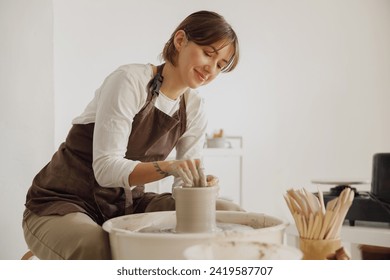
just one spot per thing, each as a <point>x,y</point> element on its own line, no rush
<point>116,102</point>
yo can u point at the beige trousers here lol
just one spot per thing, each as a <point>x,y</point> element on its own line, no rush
<point>71,237</point>
<point>76,236</point>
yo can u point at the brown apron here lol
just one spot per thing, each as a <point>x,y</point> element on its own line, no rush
<point>67,183</point>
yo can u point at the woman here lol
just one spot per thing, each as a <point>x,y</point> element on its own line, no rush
<point>121,140</point>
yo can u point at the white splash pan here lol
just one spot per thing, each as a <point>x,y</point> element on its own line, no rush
<point>241,250</point>
<point>128,243</point>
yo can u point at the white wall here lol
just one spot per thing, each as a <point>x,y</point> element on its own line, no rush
<point>309,95</point>
<point>26,110</point>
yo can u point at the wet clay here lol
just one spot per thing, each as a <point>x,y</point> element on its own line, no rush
<point>195,209</point>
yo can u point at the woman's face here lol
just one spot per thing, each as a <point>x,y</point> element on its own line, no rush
<point>199,65</point>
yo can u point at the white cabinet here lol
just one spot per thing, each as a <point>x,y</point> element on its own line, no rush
<point>224,163</point>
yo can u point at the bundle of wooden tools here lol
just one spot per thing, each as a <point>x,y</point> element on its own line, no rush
<point>313,220</point>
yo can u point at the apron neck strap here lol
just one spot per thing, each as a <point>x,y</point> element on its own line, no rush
<point>156,82</point>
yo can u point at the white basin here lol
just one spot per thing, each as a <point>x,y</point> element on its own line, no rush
<point>241,250</point>
<point>129,242</point>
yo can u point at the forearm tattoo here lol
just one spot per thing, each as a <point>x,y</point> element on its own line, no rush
<point>159,170</point>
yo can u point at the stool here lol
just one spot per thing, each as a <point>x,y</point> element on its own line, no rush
<point>28,256</point>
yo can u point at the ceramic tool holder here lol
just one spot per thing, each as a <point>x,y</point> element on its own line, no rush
<point>318,226</point>
<point>318,249</point>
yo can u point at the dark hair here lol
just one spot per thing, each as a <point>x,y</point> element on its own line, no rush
<point>205,28</point>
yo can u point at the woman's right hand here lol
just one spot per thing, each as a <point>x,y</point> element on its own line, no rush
<point>190,171</point>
